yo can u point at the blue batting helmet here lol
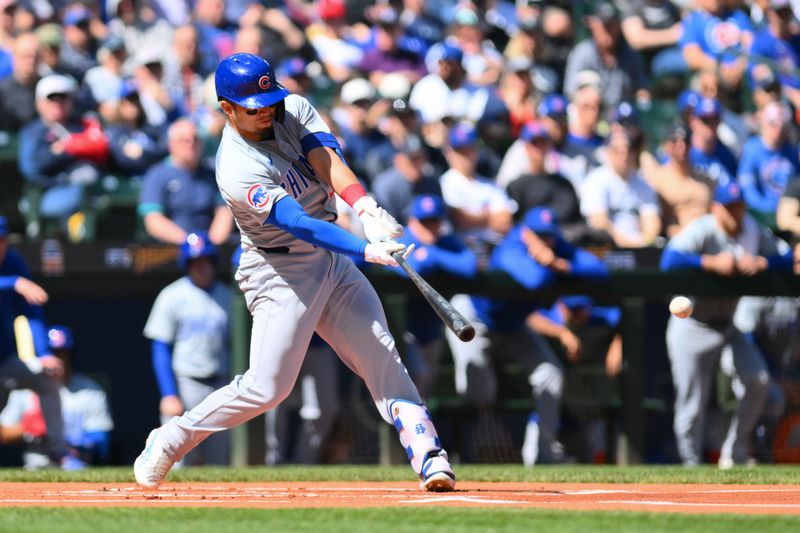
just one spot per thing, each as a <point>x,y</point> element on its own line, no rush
<point>196,245</point>
<point>60,338</point>
<point>249,81</point>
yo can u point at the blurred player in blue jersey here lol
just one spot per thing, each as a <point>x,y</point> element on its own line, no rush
<point>535,254</point>
<point>435,252</point>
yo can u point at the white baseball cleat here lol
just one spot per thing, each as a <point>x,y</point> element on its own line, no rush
<point>153,464</point>
<point>437,474</point>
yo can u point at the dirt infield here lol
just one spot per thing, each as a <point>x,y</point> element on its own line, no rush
<point>743,499</point>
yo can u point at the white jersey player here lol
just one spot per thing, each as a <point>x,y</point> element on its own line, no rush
<point>278,167</point>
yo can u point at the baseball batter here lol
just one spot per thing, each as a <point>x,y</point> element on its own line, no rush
<point>726,242</point>
<point>278,167</point>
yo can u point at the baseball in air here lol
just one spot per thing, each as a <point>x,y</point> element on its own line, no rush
<point>681,307</point>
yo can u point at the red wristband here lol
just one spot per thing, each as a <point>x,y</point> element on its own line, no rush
<point>352,193</point>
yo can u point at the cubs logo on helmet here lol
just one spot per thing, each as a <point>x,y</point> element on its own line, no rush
<point>264,82</point>
<point>257,196</point>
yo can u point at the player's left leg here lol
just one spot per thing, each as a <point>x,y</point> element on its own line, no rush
<point>354,325</point>
<point>752,376</point>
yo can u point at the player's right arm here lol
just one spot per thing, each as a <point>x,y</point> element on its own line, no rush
<point>290,216</point>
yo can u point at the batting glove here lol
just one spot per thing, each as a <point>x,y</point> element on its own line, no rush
<point>378,224</point>
<point>381,252</point>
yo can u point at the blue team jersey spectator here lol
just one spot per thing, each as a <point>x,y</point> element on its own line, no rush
<point>604,316</point>
<point>764,173</point>
<point>783,52</point>
<point>720,37</point>
<point>719,165</point>
<point>187,198</point>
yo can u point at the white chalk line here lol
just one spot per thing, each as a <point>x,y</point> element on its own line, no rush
<point>468,499</point>
<point>699,504</point>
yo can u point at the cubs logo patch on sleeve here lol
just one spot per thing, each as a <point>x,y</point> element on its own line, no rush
<point>257,196</point>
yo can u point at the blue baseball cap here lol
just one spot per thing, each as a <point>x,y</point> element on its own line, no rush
<point>451,52</point>
<point>553,105</point>
<point>248,81</point>
<point>542,220</point>
<point>3,226</point>
<point>128,87</point>
<point>687,100</point>
<point>76,14</point>
<point>532,131</point>
<point>428,206</point>
<point>576,301</point>
<point>462,135</point>
<point>730,193</point>
<point>707,108</point>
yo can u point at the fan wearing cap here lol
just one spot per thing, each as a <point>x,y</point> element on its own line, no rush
<point>481,210</point>
<point>535,255</point>
<point>105,80</point>
<point>683,194</point>
<point>707,154</point>
<point>437,251</point>
<point>40,368</point>
<point>542,188</point>
<point>482,62</point>
<point>77,54</point>
<point>616,198</point>
<point>17,102</point>
<point>621,69</point>
<point>411,175</point>
<point>769,162</point>
<point>189,330</point>
<point>726,242</point>
<point>716,36</point>
<point>87,418</point>
<point>332,39</point>
<point>58,153</point>
<point>776,43</point>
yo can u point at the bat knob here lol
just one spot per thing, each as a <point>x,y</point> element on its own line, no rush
<point>467,333</point>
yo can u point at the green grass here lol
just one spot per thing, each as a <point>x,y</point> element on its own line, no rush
<point>771,475</point>
<point>416,520</point>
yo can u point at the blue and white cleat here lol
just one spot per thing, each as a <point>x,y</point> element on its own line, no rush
<point>153,464</point>
<point>437,474</point>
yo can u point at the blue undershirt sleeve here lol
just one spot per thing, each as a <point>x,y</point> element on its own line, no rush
<point>780,262</point>
<point>675,260</point>
<point>8,282</point>
<point>162,365</point>
<point>289,215</point>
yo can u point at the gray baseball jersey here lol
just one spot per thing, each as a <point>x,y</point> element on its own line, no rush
<point>704,236</point>
<point>252,176</point>
<point>195,322</point>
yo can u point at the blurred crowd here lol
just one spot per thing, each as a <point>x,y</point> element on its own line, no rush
<point>504,135</point>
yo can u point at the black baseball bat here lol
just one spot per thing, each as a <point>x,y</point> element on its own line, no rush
<point>449,314</point>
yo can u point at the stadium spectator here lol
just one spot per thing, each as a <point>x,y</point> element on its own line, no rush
<point>725,242</point>
<point>189,330</point>
<point>528,42</point>
<point>105,80</point>
<point>482,62</point>
<point>148,72</point>
<point>653,27</point>
<point>621,69</point>
<point>769,163</point>
<point>180,195</point>
<point>51,38</point>
<point>84,406</point>
<point>77,53</point>
<point>58,153</point>
<point>581,148</point>
<point>717,36</point>
<point>215,34</point>
<point>446,92</point>
<point>28,365</point>
<point>333,40</point>
<point>535,255</point>
<point>183,78</point>
<point>135,146</point>
<point>139,26</point>
<point>707,154</point>
<point>436,251</point>
<point>17,101</point>
<point>387,56</point>
<point>517,92</point>
<point>411,175</point>
<point>777,44</point>
<point>683,195</point>
<point>421,29</point>
<point>541,188</point>
<point>616,198</point>
<point>480,210</point>
<point>8,9</point>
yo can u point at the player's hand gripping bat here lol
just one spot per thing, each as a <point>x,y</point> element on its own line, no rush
<point>449,314</point>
